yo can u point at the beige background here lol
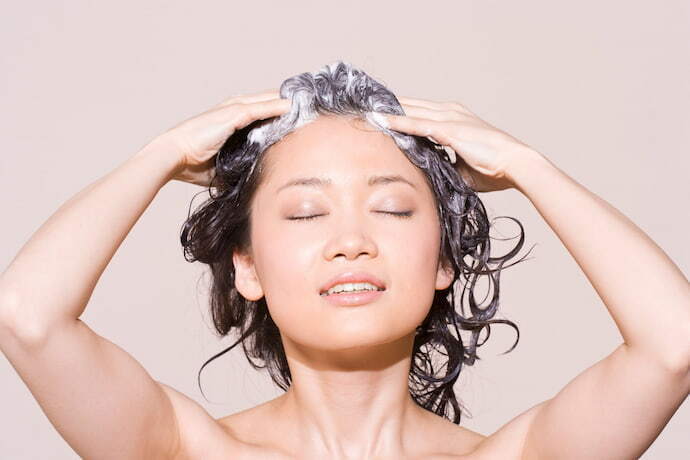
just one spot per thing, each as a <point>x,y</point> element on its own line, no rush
<point>601,88</point>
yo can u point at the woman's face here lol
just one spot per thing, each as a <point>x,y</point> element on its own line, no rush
<point>292,259</point>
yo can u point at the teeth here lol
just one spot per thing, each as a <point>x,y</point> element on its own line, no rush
<point>351,287</point>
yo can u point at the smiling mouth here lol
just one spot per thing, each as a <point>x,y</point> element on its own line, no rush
<point>325,293</point>
<point>353,298</point>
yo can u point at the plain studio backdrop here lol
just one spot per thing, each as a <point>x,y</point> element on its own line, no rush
<point>601,88</point>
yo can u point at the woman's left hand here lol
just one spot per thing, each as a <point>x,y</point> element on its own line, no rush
<point>484,154</point>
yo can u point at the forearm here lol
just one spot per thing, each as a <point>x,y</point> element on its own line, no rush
<point>644,291</point>
<point>53,275</point>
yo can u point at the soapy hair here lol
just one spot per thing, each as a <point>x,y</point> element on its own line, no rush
<point>222,224</point>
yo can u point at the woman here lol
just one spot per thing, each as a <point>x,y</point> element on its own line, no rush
<point>342,204</point>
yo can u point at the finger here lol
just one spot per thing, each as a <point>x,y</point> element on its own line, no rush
<point>433,105</point>
<point>259,111</point>
<point>438,115</point>
<point>431,129</point>
<point>419,102</point>
<point>418,126</point>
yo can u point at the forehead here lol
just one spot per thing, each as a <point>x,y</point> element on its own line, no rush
<point>342,148</point>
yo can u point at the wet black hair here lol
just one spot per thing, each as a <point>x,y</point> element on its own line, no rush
<point>221,225</point>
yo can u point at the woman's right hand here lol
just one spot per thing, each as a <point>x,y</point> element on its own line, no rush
<point>196,141</point>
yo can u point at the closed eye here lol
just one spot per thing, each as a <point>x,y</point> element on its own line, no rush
<point>403,215</point>
<point>304,218</point>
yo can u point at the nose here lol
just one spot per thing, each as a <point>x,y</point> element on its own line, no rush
<point>351,240</point>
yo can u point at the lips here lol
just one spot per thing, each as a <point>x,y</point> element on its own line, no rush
<point>353,277</point>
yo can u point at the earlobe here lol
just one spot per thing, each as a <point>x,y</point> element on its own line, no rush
<point>444,276</point>
<point>246,280</point>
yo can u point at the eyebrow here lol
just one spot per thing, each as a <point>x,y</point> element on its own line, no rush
<point>321,182</point>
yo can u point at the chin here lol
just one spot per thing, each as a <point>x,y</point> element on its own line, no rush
<point>344,338</point>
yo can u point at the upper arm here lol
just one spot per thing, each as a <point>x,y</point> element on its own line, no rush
<point>99,398</point>
<point>614,409</point>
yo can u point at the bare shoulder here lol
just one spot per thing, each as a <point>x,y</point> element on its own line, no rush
<point>458,442</point>
<point>200,435</point>
<point>508,441</point>
<point>251,428</point>
<point>448,440</point>
<point>235,436</point>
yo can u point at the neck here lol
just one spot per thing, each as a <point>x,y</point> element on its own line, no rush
<point>352,403</point>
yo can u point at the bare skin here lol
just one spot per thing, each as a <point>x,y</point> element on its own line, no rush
<point>349,396</point>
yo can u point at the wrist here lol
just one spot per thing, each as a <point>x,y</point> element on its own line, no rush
<point>161,153</point>
<point>527,164</point>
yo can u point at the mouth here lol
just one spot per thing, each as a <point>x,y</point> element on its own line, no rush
<point>354,277</point>
<point>364,291</point>
<point>353,298</point>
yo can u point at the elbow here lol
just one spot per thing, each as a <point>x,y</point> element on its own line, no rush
<point>14,324</point>
<point>686,361</point>
<point>674,356</point>
<point>679,359</point>
<point>9,306</point>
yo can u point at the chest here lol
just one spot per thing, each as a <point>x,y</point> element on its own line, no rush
<point>221,445</point>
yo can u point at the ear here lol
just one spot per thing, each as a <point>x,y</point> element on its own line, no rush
<point>444,275</point>
<point>246,280</point>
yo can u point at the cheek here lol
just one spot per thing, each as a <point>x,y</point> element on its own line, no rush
<point>286,256</point>
<point>414,249</point>
<point>413,269</point>
<point>285,265</point>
